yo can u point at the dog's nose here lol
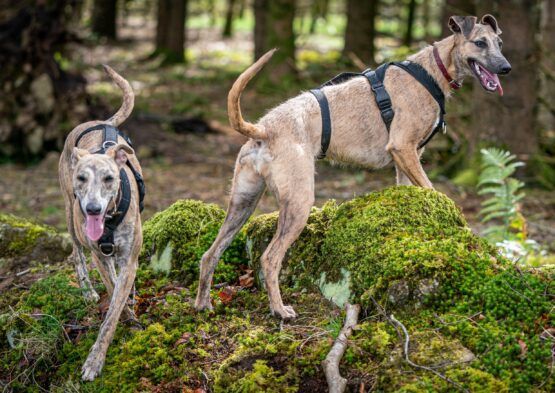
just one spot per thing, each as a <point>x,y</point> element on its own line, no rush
<point>505,69</point>
<point>93,208</point>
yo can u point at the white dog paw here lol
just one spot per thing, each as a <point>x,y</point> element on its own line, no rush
<point>91,296</point>
<point>201,305</point>
<point>285,312</point>
<point>90,370</point>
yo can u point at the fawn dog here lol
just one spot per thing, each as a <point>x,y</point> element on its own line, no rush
<point>283,144</point>
<point>103,213</point>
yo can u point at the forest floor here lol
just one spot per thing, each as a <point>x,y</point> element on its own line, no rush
<point>178,163</point>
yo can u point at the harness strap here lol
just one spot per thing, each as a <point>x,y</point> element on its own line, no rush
<point>383,100</point>
<point>326,121</point>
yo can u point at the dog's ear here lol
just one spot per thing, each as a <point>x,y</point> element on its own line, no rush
<point>77,154</point>
<point>462,24</point>
<point>488,19</point>
<point>119,153</point>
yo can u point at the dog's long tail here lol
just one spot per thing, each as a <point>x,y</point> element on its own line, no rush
<point>234,100</point>
<point>128,97</point>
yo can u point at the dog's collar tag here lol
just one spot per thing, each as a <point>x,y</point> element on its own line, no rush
<point>444,128</point>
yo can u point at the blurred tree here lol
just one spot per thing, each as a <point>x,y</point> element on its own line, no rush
<point>411,12</point>
<point>39,98</point>
<point>547,93</point>
<point>510,120</point>
<point>319,10</point>
<point>104,18</point>
<point>170,30</point>
<point>260,20</point>
<point>360,30</point>
<point>274,29</point>
<point>228,26</point>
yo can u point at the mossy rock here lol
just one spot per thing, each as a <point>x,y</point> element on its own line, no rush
<point>175,239</point>
<point>24,243</point>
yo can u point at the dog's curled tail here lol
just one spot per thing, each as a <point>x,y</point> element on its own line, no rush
<point>234,100</point>
<point>128,97</point>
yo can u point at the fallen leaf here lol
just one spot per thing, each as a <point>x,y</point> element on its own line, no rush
<point>226,294</point>
<point>523,348</point>
<point>246,280</point>
<point>185,337</point>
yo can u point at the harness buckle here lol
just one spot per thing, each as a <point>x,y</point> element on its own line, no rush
<point>444,128</point>
<point>107,249</point>
<point>107,144</point>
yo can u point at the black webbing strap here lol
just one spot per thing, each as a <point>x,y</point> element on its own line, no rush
<point>106,242</point>
<point>326,121</point>
<point>383,101</point>
<point>421,75</point>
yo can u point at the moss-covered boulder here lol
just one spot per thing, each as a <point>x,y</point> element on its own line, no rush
<point>27,252</point>
<point>22,241</point>
<point>175,239</point>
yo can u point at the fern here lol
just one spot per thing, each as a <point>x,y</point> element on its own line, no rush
<point>505,192</point>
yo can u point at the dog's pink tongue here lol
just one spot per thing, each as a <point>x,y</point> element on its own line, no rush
<point>94,227</point>
<point>499,87</point>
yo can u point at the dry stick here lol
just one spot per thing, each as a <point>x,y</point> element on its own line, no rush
<point>336,382</point>
<point>411,363</point>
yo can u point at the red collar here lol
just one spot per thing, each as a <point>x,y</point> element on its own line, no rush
<point>452,82</point>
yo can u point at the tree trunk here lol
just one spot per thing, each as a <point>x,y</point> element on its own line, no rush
<point>510,120</point>
<point>38,99</point>
<point>274,29</point>
<point>104,18</point>
<point>318,9</point>
<point>456,7</point>
<point>407,41</point>
<point>228,26</point>
<point>360,30</point>
<point>170,30</point>
<point>547,92</point>
<point>260,22</point>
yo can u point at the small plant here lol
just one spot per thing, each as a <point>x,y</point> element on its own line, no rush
<point>505,192</point>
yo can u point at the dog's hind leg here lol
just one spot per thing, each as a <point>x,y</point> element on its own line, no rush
<point>293,184</point>
<point>125,279</point>
<point>246,190</point>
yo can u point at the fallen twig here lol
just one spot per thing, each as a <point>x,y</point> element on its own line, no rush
<point>336,382</point>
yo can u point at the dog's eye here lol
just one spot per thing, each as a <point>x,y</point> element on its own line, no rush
<point>81,178</point>
<point>481,44</point>
<point>109,179</point>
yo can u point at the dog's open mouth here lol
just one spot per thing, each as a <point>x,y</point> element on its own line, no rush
<point>488,80</point>
<point>94,226</point>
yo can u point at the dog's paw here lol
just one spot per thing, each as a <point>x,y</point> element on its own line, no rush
<point>91,369</point>
<point>201,305</point>
<point>285,312</point>
<point>91,295</point>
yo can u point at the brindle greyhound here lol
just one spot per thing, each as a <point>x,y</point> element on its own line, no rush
<point>91,187</point>
<point>284,143</point>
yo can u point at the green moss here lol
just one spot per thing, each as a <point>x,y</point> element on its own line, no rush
<point>190,227</point>
<point>19,235</point>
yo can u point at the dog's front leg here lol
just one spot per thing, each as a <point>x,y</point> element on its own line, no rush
<point>107,270</point>
<point>407,160</point>
<point>80,263</point>
<point>97,355</point>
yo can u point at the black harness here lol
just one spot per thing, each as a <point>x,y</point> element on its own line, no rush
<point>110,138</point>
<point>383,100</point>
